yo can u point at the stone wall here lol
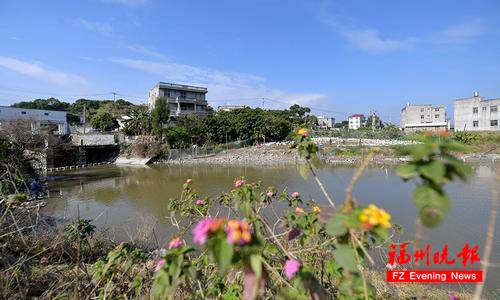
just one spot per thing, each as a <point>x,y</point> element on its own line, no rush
<point>93,139</point>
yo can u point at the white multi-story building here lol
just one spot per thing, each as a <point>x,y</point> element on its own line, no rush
<point>36,117</point>
<point>424,117</point>
<point>326,123</point>
<point>356,121</point>
<point>476,114</point>
<point>181,99</point>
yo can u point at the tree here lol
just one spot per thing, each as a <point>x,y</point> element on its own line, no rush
<point>377,121</point>
<point>177,136</point>
<point>48,104</point>
<point>298,113</point>
<point>104,121</point>
<point>138,123</point>
<point>160,115</point>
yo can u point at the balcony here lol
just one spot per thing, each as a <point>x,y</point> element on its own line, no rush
<point>187,100</point>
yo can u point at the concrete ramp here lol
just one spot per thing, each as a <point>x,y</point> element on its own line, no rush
<point>132,160</point>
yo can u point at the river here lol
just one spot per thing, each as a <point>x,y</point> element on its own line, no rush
<point>125,200</point>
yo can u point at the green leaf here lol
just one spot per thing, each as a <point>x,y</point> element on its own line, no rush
<point>256,264</point>
<point>434,171</point>
<point>223,254</point>
<point>406,171</point>
<point>421,150</point>
<point>336,226</point>
<point>381,232</point>
<point>425,196</point>
<point>303,170</point>
<point>432,205</point>
<point>344,257</point>
<point>431,217</point>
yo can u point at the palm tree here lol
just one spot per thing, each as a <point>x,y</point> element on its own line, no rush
<point>139,122</point>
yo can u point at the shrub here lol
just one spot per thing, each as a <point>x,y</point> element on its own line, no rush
<point>466,137</point>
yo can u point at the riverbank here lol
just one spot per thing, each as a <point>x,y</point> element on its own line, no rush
<point>53,259</point>
<point>333,151</point>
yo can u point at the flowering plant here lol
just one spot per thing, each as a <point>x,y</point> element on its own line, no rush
<point>253,251</point>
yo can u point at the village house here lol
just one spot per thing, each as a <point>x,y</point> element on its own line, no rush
<point>356,121</point>
<point>476,114</point>
<point>424,117</point>
<point>181,99</point>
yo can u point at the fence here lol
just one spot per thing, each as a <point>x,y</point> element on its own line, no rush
<point>203,151</point>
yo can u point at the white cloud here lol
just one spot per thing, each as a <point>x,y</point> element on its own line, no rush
<point>464,31</point>
<point>38,71</point>
<point>370,41</point>
<point>230,87</point>
<point>99,27</point>
<point>146,51</point>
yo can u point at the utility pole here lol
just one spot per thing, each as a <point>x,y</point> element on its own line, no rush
<point>263,99</point>
<point>373,119</point>
<point>114,96</point>
<point>84,119</point>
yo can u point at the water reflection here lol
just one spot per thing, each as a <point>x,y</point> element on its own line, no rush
<point>122,198</point>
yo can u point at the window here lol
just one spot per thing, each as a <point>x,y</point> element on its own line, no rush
<point>436,109</point>
<point>475,123</point>
<point>436,116</point>
<point>46,114</point>
<point>421,110</point>
<point>183,94</point>
<point>493,108</point>
<point>474,110</point>
<point>484,108</point>
<point>421,116</point>
<point>23,113</point>
<point>494,122</point>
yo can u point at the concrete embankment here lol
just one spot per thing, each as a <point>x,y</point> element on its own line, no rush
<point>132,160</point>
<point>280,154</point>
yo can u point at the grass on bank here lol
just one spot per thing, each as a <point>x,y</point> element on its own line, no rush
<point>45,260</point>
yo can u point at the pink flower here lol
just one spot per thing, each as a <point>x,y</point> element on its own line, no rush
<point>292,266</point>
<point>238,183</point>
<point>44,260</point>
<point>295,195</point>
<point>200,202</point>
<point>201,231</point>
<point>204,228</point>
<point>189,180</point>
<point>299,210</point>
<point>175,243</point>
<point>270,194</point>
<point>160,264</point>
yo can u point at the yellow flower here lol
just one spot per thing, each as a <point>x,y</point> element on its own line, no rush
<point>316,209</point>
<point>238,232</point>
<point>303,132</point>
<point>373,216</point>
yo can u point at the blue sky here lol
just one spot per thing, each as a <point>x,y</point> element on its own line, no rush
<point>338,57</point>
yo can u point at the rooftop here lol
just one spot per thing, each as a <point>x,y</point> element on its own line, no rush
<point>357,116</point>
<point>183,87</point>
<point>37,109</point>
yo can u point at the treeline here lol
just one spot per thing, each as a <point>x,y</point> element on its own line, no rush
<point>248,124</point>
<point>107,110</point>
<point>243,124</point>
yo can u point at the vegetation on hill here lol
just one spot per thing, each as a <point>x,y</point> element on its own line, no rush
<point>116,108</point>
